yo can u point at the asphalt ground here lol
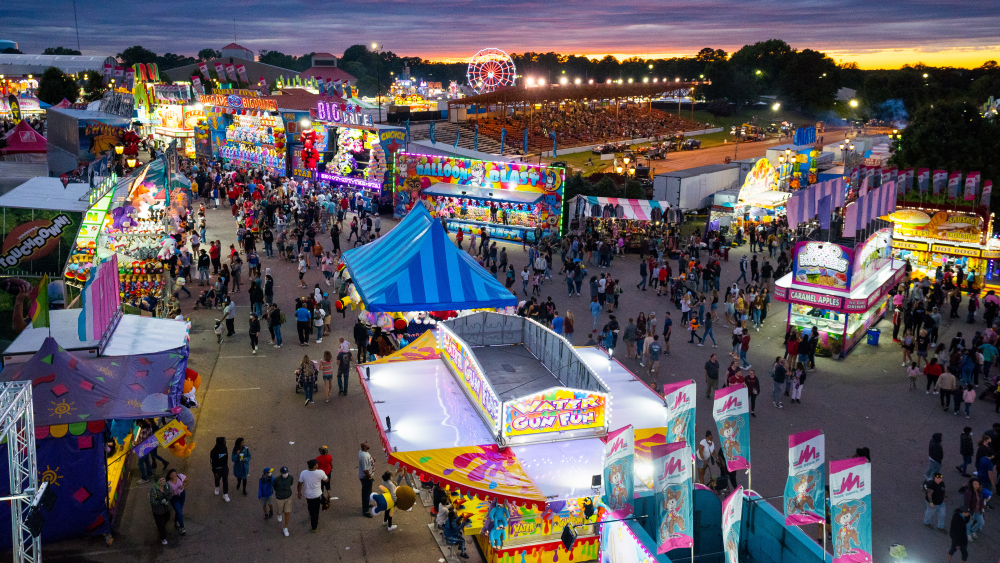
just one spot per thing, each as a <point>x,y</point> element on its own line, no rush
<point>860,401</point>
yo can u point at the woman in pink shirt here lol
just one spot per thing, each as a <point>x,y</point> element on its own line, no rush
<point>177,483</point>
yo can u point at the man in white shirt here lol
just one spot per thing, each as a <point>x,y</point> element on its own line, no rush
<point>312,478</point>
<point>366,473</point>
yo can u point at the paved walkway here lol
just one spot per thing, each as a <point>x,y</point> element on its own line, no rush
<point>860,401</point>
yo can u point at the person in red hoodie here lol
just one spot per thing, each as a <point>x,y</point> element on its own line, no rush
<point>214,254</point>
<point>325,461</point>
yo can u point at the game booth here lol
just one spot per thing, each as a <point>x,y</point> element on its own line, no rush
<point>840,290</point>
<point>84,411</point>
<point>511,200</point>
<point>635,219</point>
<point>346,149</point>
<point>245,129</point>
<point>415,274</point>
<point>759,198</point>
<point>513,419</point>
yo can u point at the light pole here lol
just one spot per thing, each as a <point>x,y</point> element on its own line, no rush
<point>788,160</point>
<point>378,78</point>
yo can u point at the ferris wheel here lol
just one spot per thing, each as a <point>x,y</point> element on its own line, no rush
<point>489,70</point>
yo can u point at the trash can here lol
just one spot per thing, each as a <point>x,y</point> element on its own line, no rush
<point>873,334</point>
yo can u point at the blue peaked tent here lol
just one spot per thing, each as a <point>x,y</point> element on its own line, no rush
<point>417,268</point>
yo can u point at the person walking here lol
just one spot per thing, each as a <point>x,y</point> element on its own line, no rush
<point>711,377</point>
<point>283,496</point>
<point>778,374</point>
<point>302,319</point>
<point>311,480</point>
<point>753,389</point>
<point>946,385</point>
<point>935,455</point>
<point>965,448</point>
<point>705,456</point>
<point>275,318</point>
<point>569,319</point>
<point>220,466</point>
<point>159,501</point>
<point>254,332</point>
<point>307,378</point>
<point>361,339</point>
<point>229,313</point>
<point>343,371</point>
<point>643,274</point>
<point>326,370</point>
<point>973,495</point>
<point>934,495</point>
<point>325,463</point>
<point>265,492</point>
<point>957,532</point>
<point>241,464</point>
<point>177,483</point>
<point>366,471</point>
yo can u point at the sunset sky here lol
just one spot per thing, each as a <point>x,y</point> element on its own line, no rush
<point>886,34</point>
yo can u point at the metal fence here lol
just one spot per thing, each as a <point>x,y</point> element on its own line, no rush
<point>553,351</point>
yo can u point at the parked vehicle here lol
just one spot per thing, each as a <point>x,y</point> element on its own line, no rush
<point>691,144</point>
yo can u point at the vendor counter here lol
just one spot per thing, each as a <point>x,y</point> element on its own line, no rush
<point>496,231</point>
<point>841,318</point>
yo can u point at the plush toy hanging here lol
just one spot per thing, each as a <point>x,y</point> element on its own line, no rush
<point>309,153</point>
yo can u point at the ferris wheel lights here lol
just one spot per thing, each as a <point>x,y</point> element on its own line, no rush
<point>491,69</point>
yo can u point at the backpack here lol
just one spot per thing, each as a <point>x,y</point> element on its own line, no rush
<point>281,318</point>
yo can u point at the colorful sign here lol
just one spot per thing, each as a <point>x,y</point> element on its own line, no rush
<point>36,242</point>
<point>679,399</point>
<point>805,499</point>
<point>234,101</point>
<point>674,501</point>
<point>761,178</point>
<point>950,226</point>
<point>956,250</point>
<point>909,245</point>
<point>731,412</point>
<point>417,172</point>
<point>823,264</point>
<point>851,510</point>
<point>164,437</point>
<point>554,410</point>
<point>343,114</point>
<point>100,300</point>
<point>732,515</point>
<point>619,471</point>
<point>939,181</point>
<point>871,255</point>
<point>459,356</point>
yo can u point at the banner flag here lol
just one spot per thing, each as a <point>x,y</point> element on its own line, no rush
<point>619,470</point>
<point>971,186</point>
<point>825,211</point>
<point>241,70</point>
<point>203,68</point>
<point>864,187</point>
<point>731,412</point>
<point>674,501</point>
<point>984,200</point>
<point>231,72</point>
<point>907,180</point>
<point>954,184</point>
<point>851,510</point>
<point>805,499</point>
<point>939,181</point>
<point>196,83</point>
<point>851,219</point>
<point>732,514</point>
<point>923,179</point>
<point>220,71</point>
<point>680,401</point>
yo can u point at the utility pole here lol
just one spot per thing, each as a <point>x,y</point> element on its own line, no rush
<point>77,22</point>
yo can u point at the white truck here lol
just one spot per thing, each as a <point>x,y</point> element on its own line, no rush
<point>690,189</point>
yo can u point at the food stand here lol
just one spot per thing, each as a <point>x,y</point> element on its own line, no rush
<point>841,290</point>
<point>511,200</point>
<point>938,238</point>
<point>527,442</point>
<point>758,198</point>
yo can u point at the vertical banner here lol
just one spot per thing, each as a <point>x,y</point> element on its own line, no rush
<point>854,178</point>
<point>619,470</point>
<point>851,510</point>
<point>923,179</point>
<point>196,84</point>
<point>939,180</point>
<point>732,515</point>
<point>971,186</point>
<point>119,73</point>
<point>241,70</point>
<point>679,400</point>
<point>731,412</point>
<point>907,180</point>
<point>231,72</point>
<point>804,495</point>
<point>674,501</point>
<point>954,184</point>
<point>129,77</point>
<point>203,68</point>
<point>984,200</point>
<point>220,71</point>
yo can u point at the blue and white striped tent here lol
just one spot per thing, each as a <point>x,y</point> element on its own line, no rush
<point>416,267</point>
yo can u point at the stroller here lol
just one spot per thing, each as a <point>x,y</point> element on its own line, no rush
<point>205,300</point>
<point>298,378</point>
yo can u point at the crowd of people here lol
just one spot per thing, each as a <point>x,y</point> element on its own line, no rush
<point>585,124</point>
